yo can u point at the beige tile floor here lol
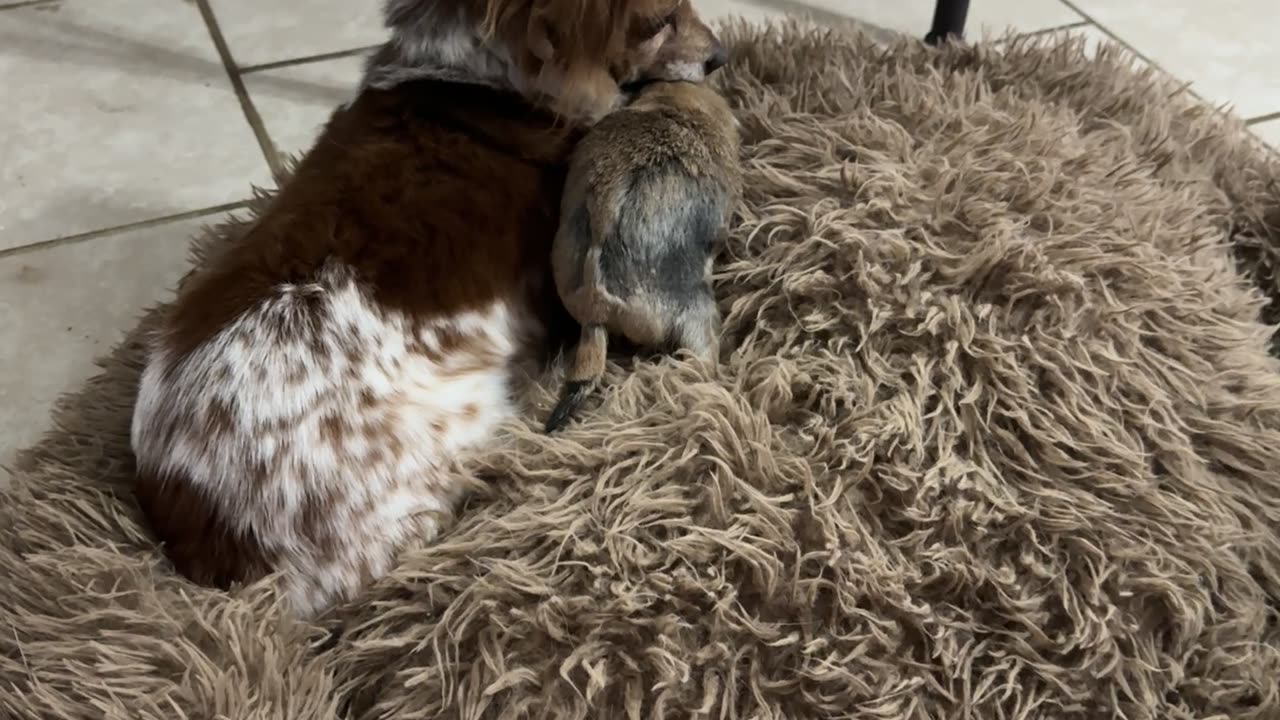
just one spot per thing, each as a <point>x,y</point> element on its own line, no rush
<point>127,124</point>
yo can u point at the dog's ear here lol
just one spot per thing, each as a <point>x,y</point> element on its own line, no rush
<point>565,46</point>
<point>557,32</point>
<point>540,38</point>
<point>571,32</point>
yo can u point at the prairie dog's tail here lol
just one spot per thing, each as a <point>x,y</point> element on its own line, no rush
<point>588,366</point>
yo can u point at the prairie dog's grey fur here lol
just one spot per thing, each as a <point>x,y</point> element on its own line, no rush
<point>649,195</point>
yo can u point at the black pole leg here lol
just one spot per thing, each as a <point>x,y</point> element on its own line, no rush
<point>948,20</point>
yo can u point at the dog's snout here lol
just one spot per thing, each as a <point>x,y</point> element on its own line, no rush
<point>719,57</point>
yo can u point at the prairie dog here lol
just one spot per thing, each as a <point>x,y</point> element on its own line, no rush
<point>648,198</point>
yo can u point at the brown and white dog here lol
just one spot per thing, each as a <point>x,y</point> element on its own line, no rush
<point>314,378</point>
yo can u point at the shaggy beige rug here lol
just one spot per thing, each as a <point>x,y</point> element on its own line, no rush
<point>997,436</point>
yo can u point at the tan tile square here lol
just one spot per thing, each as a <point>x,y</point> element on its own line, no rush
<point>65,305</point>
<point>752,11</point>
<point>1228,50</point>
<point>259,32</point>
<point>296,101</point>
<point>913,17</point>
<point>1269,131</point>
<point>115,111</point>
<point>764,11</point>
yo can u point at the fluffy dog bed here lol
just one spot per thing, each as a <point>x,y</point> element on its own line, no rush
<point>997,435</point>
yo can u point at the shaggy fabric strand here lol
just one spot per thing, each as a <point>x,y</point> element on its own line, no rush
<point>996,435</point>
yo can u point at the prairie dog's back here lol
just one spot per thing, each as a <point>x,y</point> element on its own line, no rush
<point>669,128</point>
<point>649,194</point>
<point>650,189</point>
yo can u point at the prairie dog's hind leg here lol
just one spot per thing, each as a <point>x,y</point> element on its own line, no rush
<point>644,320</point>
<point>697,329</point>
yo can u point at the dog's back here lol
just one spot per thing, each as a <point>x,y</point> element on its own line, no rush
<point>649,194</point>
<point>314,375</point>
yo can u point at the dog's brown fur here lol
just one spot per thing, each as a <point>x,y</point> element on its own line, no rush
<point>314,376</point>
<point>401,189</point>
<point>651,190</point>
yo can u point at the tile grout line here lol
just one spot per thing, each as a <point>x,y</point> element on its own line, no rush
<point>1044,31</point>
<point>1137,53</point>
<point>1265,117</point>
<point>242,94</point>
<point>260,67</point>
<point>25,3</point>
<point>1056,28</point>
<point>104,232</point>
